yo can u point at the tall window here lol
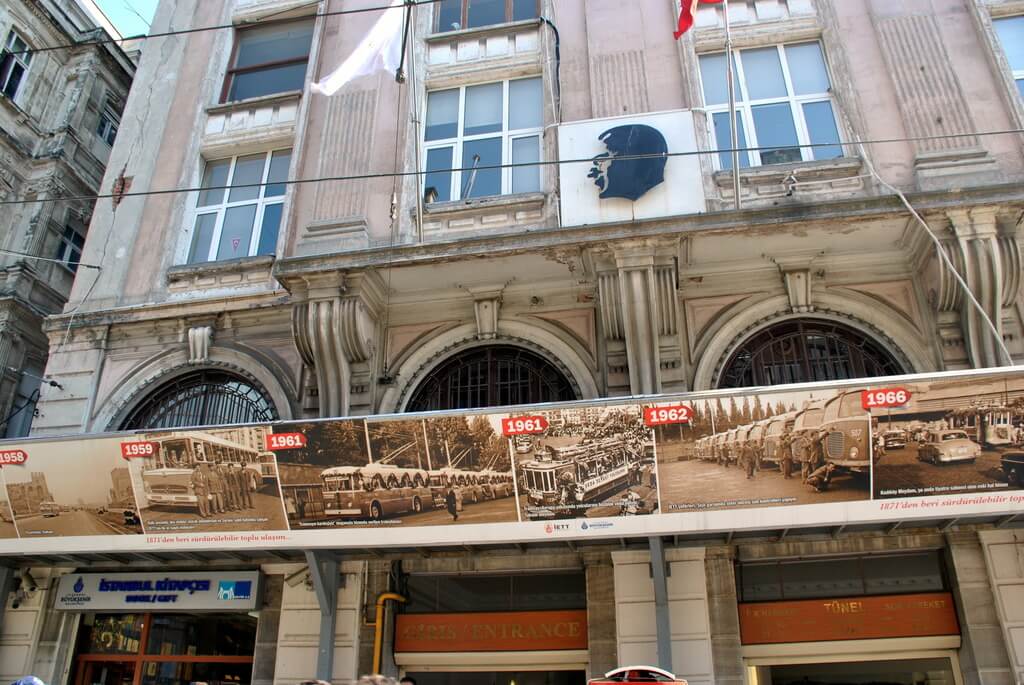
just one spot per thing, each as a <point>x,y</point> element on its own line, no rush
<point>783,100</point>
<point>243,220</point>
<point>70,250</point>
<point>1011,35</point>
<point>491,377</point>
<point>268,60</point>
<point>109,122</point>
<point>13,65</point>
<point>453,15</point>
<point>475,127</point>
<point>203,398</point>
<point>806,350</point>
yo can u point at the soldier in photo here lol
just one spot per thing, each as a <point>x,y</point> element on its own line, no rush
<point>748,457</point>
<point>786,456</point>
<point>216,490</point>
<point>248,486</point>
<point>804,455</point>
<point>201,488</point>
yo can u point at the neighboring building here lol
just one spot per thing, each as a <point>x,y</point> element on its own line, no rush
<point>59,114</point>
<point>487,287</point>
<point>25,497</point>
<point>121,495</point>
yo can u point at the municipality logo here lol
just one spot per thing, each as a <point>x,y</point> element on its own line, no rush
<point>79,585</point>
<point>234,589</point>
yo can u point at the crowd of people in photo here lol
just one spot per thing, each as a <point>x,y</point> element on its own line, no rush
<point>222,488</point>
<point>796,450</point>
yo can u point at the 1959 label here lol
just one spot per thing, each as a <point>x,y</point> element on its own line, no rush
<point>137,449</point>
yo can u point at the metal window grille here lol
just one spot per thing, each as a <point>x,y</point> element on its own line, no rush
<point>491,377</point>
<point>203,398</point>
<point>805,351</point>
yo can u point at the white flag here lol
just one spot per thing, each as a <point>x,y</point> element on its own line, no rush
<point>381,49</point>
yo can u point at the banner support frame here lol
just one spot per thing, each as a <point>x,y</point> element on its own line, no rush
<point>662,620</point>
<point>324,572</point>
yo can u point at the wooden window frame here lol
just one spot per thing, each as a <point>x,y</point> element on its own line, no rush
<point>464,15</point>
<point>232,72</point>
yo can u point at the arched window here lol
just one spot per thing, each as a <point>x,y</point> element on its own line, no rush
<point>493,376</point>
<point>806,350</point>
<point>202,398</point>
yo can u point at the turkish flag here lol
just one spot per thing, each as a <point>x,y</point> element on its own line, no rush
<point>687,12</point>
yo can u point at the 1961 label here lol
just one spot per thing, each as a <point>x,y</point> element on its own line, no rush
<point>524,425</point>
<point>285,441</point>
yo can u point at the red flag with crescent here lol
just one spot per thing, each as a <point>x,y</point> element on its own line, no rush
<point>687,12</point>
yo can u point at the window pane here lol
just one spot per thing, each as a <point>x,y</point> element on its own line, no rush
<point>775,129</point>
<point>526,179</point>
<point>110,634</point>
<point>715,79</point>
<point>760,583</point>
<point>247,170</point>
<point>255,84</point>
<point>1011,35</point>
<point>449,15</point>
<point>207,635</point>
<point>269,229</point>
<point>215,176</point>
<point>723,138</point>
<point>524,9</point>
<point>442,114</point>
<point>840,578</point>
<point>14,80</point>
<point>910,573</point>
<point>236,232</point>
<point>821,125</point>
<point>807,69</point>
<point>483,109</point>
<point>441,181</point>
<point>485,13</point>
<point>762,72</point>
<point>201,237</point>
<point>279,162</point>
<point>525,103</point>
<point>273,44</point>
<point>480,153</point>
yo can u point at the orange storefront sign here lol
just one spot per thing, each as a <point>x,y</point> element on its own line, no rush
<point>491,632</point>
<point>857,618</point>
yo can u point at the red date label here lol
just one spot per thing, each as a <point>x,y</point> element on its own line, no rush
<point>884,397</point>
<point>524,425</point>
<point>135,450</point>
<point>13,457</point>
<point>285,441</point>
<point>664,416</point>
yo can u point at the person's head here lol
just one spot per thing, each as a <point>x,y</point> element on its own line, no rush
<point>630,178</point>
<point>407,680</point>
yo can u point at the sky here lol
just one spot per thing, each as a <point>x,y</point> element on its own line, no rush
<point>131,17</point>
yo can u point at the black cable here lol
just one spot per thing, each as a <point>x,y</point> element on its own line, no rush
<point>558,65</point>
<point>32,399</point>
<point>216,27</point>
<point>511,165</point>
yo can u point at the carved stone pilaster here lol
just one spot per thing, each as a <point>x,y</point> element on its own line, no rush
<point>199,340</point>
<point>487,307</point>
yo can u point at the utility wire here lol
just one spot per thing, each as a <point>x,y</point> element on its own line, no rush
<point>26,255</point>
<point>543,163</point>
<point>215,27</point>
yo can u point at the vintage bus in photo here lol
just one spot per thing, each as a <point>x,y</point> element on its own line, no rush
<point>49,509</point>
<point>167,475</point>
<point>778,427</point>
<point>374,491</point>
<point>808,422</point>
<point>847,428</point>
<point>523,444</point>
<point>584,473</point>
<point>988,425</point>
<point>496,484</point>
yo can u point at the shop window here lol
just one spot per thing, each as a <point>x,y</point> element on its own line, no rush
<point>453,15</point>
<point>165,649</point>
<point>804,351</point>
<point>467,593</point>
<point>783,99</point>
<point>236,216</point>
<point>937,671</point>
<point>845,577</point>
<point>203,398</point>
<point>69,253</point>
<point>14,63</point>
<point>491,377</point>
<point>269,60</point>
<point>472,131</point>
<point>1011,35</point>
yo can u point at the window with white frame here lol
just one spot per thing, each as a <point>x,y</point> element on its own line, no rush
<point>477,129</point>
<point>1011,35</point>
<point>783,100</point>
<point>13,65</point>
<point>453,15</point>
<point>238,214</point>
<point>70,250</point>
<point>109,122</point>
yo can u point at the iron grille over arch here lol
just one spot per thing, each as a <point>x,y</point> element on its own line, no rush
<point>806,350</point>
<point>202,398</point>
<point>493,376</point>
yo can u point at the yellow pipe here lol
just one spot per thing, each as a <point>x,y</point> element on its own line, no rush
<point>378,630</point>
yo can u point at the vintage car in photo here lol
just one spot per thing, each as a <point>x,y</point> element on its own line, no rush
<point>636,674</point>
<point>947,447</point>
<point>895,439</point>
<point>1012,463</point>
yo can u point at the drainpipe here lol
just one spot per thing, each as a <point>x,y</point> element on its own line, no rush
<point>378,626</point>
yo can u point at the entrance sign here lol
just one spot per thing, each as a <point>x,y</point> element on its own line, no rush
<point>138,592</point>
<point>923,448</point>
<point>508,631</point>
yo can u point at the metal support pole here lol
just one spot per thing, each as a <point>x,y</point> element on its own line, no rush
<point>733,129</point>
<point>661,617</point>
<point>7,576</point>
<point>323,569</point>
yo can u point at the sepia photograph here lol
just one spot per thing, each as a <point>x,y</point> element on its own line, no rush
<point>953,436</point>
<point>589,462</point>
<point>71,488</point>
<point>766,450</point>
<point>7,527</point>
<point>210,480</point>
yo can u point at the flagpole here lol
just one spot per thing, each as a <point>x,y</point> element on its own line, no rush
<point>733,133</point>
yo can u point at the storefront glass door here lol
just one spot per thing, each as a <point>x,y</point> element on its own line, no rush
<point>895,672</point>
<point>107,673</point>
<point>500,678</point>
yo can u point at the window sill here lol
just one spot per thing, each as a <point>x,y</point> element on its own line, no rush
<point>773,181</point>
<point>482,215</point>
<point>481,31</point>
<point>262,101</point>
<point>230,273</point>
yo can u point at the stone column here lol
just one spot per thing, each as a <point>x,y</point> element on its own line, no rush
<point>601,613</point>
<point>639,306</point>
<point>724,617</point>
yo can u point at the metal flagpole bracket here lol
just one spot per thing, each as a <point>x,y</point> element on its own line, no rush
<point>661,616</point>
<point>324,572</point>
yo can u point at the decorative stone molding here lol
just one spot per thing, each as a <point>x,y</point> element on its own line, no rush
<point>199,340</point>
<point>470,50</point>
<point>443,220</point>
<point>189,279</point>
<point>801,181</point>
<point>487,306</point>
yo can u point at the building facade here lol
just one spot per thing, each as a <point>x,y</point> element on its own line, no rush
<point>467,238</point>
<point>59,114</point>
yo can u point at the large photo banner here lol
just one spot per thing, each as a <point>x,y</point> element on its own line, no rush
<point>947,444</point>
